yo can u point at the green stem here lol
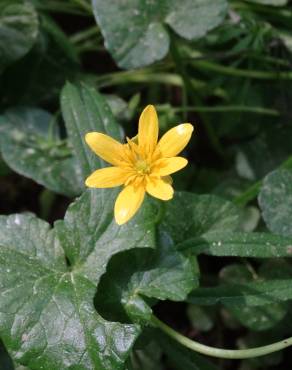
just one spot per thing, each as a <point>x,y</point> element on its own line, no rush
<point>224,109</point>
<point>280,12</point>
<point>56,6</point>
<point>237,72</point>
<point>253,190</point>
<point>138,77</point>
<point>84,34</point>
<point>218,352</point>
<point>83,4</point>
<point>193,95</point>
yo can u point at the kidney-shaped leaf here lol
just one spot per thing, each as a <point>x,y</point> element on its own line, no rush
<point>135,31</point>
<point>47,317</point>
<point>162,274</point>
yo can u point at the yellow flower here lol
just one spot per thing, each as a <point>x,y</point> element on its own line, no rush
<point>142,165</point>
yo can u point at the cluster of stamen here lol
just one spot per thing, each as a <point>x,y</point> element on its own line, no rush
<point>142,167</point>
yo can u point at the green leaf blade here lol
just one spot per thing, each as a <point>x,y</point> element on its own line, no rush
<point>85,110</point>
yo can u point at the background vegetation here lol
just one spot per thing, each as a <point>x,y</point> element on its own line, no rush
<point>225,67</point>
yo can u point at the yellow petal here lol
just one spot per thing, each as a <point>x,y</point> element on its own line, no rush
<point>167,166</point>
<point>105,147</point>
<point>148,129</point>
<point>107,177</point>
<point>128,202</point>
<point>175,140</point>
<point>159,189</point>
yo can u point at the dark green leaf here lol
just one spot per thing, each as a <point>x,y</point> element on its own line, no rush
<point>47,317</point>
<point>266,152</point>
<point>181,358</point>
<point>32,147</point>
<point>85,110</point>
<point>148,358</point>
<point>135,33</point>
<point>189,215</point>
<point>255,293</point>
<point>275,200</point>
<point>257,318</point>
<point>240,244</point>
<point>18,30</point>
<point>41,73</point>
<point>162,274</point>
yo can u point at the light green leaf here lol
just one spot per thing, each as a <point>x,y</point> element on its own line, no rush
<point>85,110</point>
<point>240,244</point>
<point>47,317</point>
<point>31,147</point>
<point>18,30</point>
<point>189,215</point>
<point>275,200</point>
<point>163,274</point>
<point>136,34</point>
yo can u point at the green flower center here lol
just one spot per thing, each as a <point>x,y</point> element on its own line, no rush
<point>142,167</point>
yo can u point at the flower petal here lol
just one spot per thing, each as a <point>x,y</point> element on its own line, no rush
<point>148,129</point>
<point>167,166</point>
<point>128,202</point>
<point>175,140</point>
<point>159,189</point>
<point>105,147</point>
<point>107,177</point>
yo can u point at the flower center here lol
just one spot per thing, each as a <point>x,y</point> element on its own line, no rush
<point>142,167</point>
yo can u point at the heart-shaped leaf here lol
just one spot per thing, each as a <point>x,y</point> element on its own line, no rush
<point>136,33</point>
<point>47,317</point>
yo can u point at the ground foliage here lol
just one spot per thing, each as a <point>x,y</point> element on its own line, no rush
<point>77,290</point>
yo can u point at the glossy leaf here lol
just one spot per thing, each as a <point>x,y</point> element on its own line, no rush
<point>189,216</point>
<point>85,110</point>
<point>18,30</point>
<point>255,293</point>
<point>47,317</point>
<point>163,274</point>
<point>275,200</point>
<point>30,144</point>
<point>136,33</point>
<point>240,244</point>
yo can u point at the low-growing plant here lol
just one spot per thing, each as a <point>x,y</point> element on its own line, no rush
<point>122,248</point>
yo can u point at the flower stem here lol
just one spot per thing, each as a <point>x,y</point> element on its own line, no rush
<point>84,5</point>
<point>194,97</point>
<point>237,72</point>
<point>218,352</point>
<point>84,34</point>
<point>224,109</point>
